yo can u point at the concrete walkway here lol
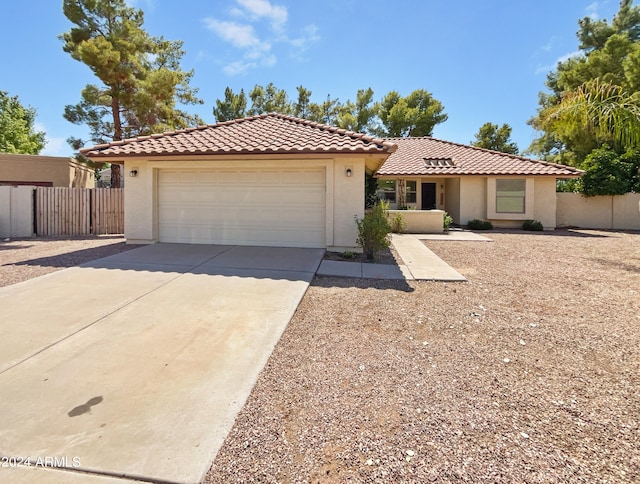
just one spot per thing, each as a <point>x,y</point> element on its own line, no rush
<point>420,263</point>
<point>136,365</point>
<point>455,235</point>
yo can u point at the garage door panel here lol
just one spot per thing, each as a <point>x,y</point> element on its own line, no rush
<point>240,235</point>
<point>249,207</point>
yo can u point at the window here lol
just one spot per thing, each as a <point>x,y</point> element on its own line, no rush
<point>387,190</point>
<point>412,191</point>
<point>510,196</point>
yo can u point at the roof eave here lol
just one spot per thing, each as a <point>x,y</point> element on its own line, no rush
<point>101,158</point>
<point>440,174</point>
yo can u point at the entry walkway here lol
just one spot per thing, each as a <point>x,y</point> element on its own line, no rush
<point>419,262</point>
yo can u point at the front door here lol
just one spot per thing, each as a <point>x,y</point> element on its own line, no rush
<point>428,196</point>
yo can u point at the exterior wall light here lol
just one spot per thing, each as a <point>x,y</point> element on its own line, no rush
<point>133,173</point>
<point>348,172</point>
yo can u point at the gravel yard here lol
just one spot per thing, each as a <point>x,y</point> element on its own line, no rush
<point>22,259</point>
<point>528,372</point>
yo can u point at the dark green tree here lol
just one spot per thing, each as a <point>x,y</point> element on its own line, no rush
<point>414,115</point>
<point>602,112</point>
<point>326,112</point>
<point>359,116</point>
<point>497,138</point>
<point>609,173</point>
<point>301,108</point>
<point>234,106</point>
<point>17,131</point>
<point>608,63</point>
<point>394,116</point>
<point>268,99</point>
<point>142,82</point>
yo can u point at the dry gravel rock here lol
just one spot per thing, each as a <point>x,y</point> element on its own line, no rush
<point>528,372</point>
<point>22,259</point>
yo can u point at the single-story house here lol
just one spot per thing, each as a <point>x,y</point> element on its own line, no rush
<point>471,183</point>
<point>44,171</point>
<point>264,180</point>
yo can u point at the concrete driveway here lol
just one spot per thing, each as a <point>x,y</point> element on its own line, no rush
<point>136,365</point>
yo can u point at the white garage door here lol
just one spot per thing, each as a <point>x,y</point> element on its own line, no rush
<point>248,207</point>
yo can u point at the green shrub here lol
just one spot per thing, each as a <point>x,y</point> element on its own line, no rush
<point>569,186</point>
<point>347,254</point>
<point>608,173</point>
<point>446,222</point>
<point>533,225</point>
<point>373,231</point>
<point>477,224</point>
<point>398,224</point>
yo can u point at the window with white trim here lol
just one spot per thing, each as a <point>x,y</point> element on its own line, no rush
<point>412,191</point>
<point>510,195</point>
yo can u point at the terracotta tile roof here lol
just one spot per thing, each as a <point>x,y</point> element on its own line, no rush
<point>430,156</point>
<point>264,134</point>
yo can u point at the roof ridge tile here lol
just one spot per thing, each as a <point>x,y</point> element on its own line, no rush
<point>264,133</point>
<point>470,160</point>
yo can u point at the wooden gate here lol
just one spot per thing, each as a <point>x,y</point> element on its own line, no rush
<point>107,210</point>
<point>79,211</point>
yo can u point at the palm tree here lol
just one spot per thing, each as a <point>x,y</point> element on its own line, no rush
<point>603,109</point>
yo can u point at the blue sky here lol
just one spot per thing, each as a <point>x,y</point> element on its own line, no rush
<point>484,60</point>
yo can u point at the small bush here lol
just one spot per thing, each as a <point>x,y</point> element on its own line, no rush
<point>446,222</point>
<point>347,254</point>
<point>533,225</point>
<point>373,231</point>
<point>477,224</point>
<point>398,224</point>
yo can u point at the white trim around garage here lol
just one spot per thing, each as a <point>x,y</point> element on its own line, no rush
<point>283,206</point>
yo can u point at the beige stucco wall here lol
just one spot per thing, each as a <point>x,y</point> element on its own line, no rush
<point>510,219</point>
<point>344,195</point>
<point>140,218</point>
<point>16,211</point>
<point>347,201</point>
<point>420,221</point>
<point>59,171</point>
<point>621,212</point>
<point>81,176</point>
<point>545,202</point>
<point>540,203</point>
<point>452,198</point>
<point>473,198</point>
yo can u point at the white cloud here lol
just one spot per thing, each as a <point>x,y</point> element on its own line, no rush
<point>260,26</point>
<point>149,4</point>
<point>309,36</point>
<point>568,56</point>
<point>544,69</point>
<point>56,147</point>
<point>549,45</point>
<point>53,146</point>
<point>236,34</point>
<point>238,67</point>
<point>269,60</point>
<point>592,11</point>
<point>262,8</point>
